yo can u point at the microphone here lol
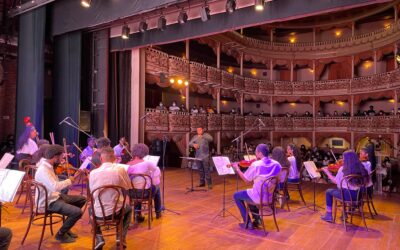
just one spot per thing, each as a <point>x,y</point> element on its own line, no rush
<point>63,120</point>
<point>262,123</point>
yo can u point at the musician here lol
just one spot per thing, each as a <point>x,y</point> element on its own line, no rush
<point>109,173</point>
<point>88,151</point>
<point>351,165</point>
<point>120,149</point>
<point>138,166</point>
<point>294,158</point>
<point>201,143</point>
<point>26,145</point>
<point>68,205</point>
<point>258,171</point>
<point>367,165</point>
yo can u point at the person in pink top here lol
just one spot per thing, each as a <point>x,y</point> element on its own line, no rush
<point>139,166</point>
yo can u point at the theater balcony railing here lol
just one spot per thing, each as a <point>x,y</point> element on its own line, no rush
<point>156,61</point>
<point>162,121</point>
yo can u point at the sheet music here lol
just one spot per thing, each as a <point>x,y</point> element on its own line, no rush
<point>312,169</point>
<point>85,163</point>
<point>10,180</point>
<point>7,158</point>
<point>152,158</point>
<point>221,163</point>
<point>249,157</point>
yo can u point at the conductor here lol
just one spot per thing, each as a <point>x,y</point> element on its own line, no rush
<point>201,144</point>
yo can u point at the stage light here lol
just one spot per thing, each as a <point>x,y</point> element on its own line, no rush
<point>186,83</point>
<point>292,39</point>
<point>172,80</point>
<point>125,32</point>
<point>338,33</point>
<point>179,81</point>
<point>259,5</point>
<point>162,23</point>
<point>398,58</point>
<point>86,3</point>
<point>143,26</point>
<point>230,6</point>
<point>205,14</point>
<point>183,17</point>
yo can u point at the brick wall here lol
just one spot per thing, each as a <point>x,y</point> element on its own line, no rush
<point>8,97</point>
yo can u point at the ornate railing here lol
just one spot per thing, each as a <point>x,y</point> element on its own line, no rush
<point>178,67</point>
<point>156,61</point>
<point>183,122</point>
<point>198,72</point>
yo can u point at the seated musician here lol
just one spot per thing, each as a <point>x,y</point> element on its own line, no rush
<point>138,166</point>
<point>258,171</point>
<point>121,151</point>
<point>68,205</point>
<point>94,160</point>
<point>88,151</point>
<point>26,146</point>
<point>109,173</point>
<point>351,165</point>
<point>367,164</point>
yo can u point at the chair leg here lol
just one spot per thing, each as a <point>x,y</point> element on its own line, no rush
<point>20,192</point>
<point>369,208</point>
<point>149,217</point>
<point>373,207</point>
<point>43,229</point>
<point>362,215</point>
<point>344,214</point>
<point>94,234</point>
<point>26,202</point>
<point>334,208</point>
<point>261,214</point>
<point>274,215</point>
<point>27,229</point>
<point>301,194</point>
<point>51,224</point>
<point>247,216</point>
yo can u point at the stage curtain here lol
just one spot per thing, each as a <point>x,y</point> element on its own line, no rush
<point>119,96</point>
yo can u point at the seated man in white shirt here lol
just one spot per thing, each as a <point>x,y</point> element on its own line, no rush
<point>120,151</point>
<point>109,173</point>
<point>68,205</point>
<point>138,166</point>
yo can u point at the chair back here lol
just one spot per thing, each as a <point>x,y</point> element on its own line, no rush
<point>34,193</point>
<point>100,194</point>
<point>352,180</point>
<point>283,175</point>
<point>141,186</point>
<point>268,190</point>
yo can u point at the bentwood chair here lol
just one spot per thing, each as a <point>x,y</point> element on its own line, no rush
<point>38,216</point>
<point>22,167</point>
<point>30,171</point>
<point>140,195</point>
<point>282,187</point>
<point>296,186</point>
<point>367,198</point>
<point>112,221</point>
<point>266,207</point>
<point>348,204</point>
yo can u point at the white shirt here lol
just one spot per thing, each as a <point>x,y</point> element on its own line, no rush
<point>30,147</point>
<point>338,178</point>
<point>46,176</point>
<point>148,168</point>
<point>258,172</point>
<point>367,166</point>
<point>108,174</point>
<point>118,150</point>
<point>293,172</point>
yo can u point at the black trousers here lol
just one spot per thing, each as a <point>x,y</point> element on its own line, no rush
<point>5,238</point>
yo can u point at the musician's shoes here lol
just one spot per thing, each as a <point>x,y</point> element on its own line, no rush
<point>249,226</point>
<point>201,185</point>
<point>158,215</point>
<point>327,217</point>
<point>73,235</point>
<point>139,218</point>
<point>64,238</point>
<point>257,223</point>
<point>99,243</point>
<point>210,186</point>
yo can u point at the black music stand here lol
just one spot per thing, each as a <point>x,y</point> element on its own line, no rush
<point>312,172</point>
<point>192,160</point>
<point>224,209</point>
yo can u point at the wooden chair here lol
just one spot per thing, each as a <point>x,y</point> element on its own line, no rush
<point>281,191</point>
<point>35,214</point>
<point>114,220</point>
<point>30,171</point>
<point>22,167</point>
<point>350,206</point>
<point>142,195</point>
<point>367,198</point>
<point>265,207</point>
<point>296,186</point>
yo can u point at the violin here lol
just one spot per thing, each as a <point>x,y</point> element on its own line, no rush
<point>246,163</point>
<point>65,167</point>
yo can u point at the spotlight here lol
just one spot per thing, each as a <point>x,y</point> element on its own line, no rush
<point>259,5</point>
<point>183,17</point>
<point>162,23</point>
<point>86,3</point>
<point>205,14</point>
<point>230,6</point>
<point>125,32</point>
<point>186,83</point>
<point>398,58</point>
<point>143,26</point>
<point>172,80</point>
<point>179,81</point>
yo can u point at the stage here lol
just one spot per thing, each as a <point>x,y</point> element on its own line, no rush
<point>195,228</point>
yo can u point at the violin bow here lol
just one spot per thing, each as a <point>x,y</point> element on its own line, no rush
<point>127,150</point>
<point>247,149</point>
<point>80,151</point>
<point>52,138</point>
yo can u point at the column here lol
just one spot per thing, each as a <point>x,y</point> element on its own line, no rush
<point>271,35</point>
<point>395,143</point>
<point>30,80</point>
<point>271,107</point>
<point>353,28</point>
<point>138,61</point>
<point>395,53</point>
<point>219,55</point>
<point>314,35</point>
<point>352,105</point>
<point>219,113</point>
<point>352,66</point>
<point>241,103</point>
<point>187,94</point>
<point>375,61</point>
<point>291,70</point>
<point>313,68</point>
<point>313,139</point>
<point>314,120</point>
<point>271,69</point>
<point>396,102</point>
<point>241,63</point>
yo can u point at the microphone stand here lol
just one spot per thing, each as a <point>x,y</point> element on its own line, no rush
<point>163,207</point>
<point>75,126</point>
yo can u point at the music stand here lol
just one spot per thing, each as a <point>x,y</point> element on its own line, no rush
<point>314,175</point>
<point>221,163</point>
<point>192,160</point>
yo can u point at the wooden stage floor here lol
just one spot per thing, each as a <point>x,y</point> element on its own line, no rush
<point>195,228</point>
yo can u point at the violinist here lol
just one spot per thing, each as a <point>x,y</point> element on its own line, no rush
<point>68,205</point>
<point>367,164</point>
<point>26,145</point>
<point>121,151</point>
<point>88,151</point>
